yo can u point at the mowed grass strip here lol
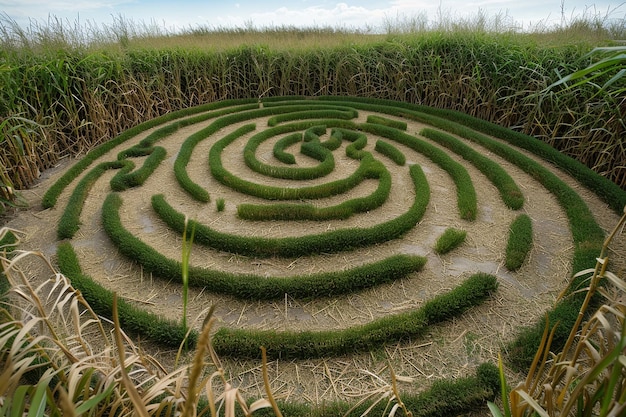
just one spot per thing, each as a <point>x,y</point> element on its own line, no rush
<point>509,191</point>
<point>133,320</point>
<point>250,286</point>
<point>290,345</point>
<point>327,242</point>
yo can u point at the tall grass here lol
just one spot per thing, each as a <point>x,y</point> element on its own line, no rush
<point>63,95</point>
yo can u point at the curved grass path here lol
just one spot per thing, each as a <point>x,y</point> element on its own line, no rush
<point>270,140</point>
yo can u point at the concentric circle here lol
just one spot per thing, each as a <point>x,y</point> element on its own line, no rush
<point>316,231</point>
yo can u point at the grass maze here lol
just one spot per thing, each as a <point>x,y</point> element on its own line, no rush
<point>317,224</point>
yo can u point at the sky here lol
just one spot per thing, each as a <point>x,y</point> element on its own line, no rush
<point>176,15</point>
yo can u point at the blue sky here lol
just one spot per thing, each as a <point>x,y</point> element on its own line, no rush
<point>174,15</point>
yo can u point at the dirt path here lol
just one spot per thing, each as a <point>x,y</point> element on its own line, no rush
<point>449,350</point>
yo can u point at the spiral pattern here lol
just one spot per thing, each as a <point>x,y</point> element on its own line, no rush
<point>316,224</point>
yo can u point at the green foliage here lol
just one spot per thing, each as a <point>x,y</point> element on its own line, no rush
<point>311,147</point>
<point>313,113</point>
<point>90,95</point>
<point>326,189</point>
<point>248,286</point>
<point>396,124</point>
<point>52,194</point>
<point>519,243</point>
<point>390,152</point>
<point>391,329</point>
<point>220,204</point>
<point>373,170</point>
<point>509,190</point>
<point>282,144</point>
<point>69,223</point>
<point>449,240</point>
<point>133,319</point>
<point>466,194</point>
<point>328,242</point>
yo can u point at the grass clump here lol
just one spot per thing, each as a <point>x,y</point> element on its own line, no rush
<point>520,242</point>
<point>220,204</point>
<point>450,239</point>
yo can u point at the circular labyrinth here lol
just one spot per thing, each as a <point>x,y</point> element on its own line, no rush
<point>315,225</point>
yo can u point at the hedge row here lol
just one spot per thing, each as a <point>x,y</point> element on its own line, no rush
<point>69,223</point>
<point>344,210</point>
<point>445,398</point>
<point>313,149</point>
<point>328,242</point>
<point>466,194</point>
<point>290,345</point>
<point>391,152</point>
<point>132,319</point>
<point>312,113</point>
<point>327,189</point>
<point>249,286</point>
<point>282,144</point>
<point>458,123</point>
<point>395,124</point>
<point>253,111</point>
<point>587,234</point>
<point>510,193</point>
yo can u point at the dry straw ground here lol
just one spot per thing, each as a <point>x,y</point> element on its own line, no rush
<point>449,350</point>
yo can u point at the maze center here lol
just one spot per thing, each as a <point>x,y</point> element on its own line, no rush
<point>452,348</point>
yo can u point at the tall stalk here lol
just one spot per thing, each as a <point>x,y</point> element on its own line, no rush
<point>187,245</point>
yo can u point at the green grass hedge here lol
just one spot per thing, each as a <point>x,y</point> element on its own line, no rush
<point>587,234</point>
<point>510,193</point>
<point>69,223</point>
<point>327,189</point>
<point>328,242</point>
<point>282,144</point>
<point>132,319</point>
<point>344,210</point>
<point>466,194</point>
<point>312,148</point>
<point>390,152</point>
<point>290,345</point>
<point>249,286</point>
<point>520,242</point>
<point>445,398</point>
